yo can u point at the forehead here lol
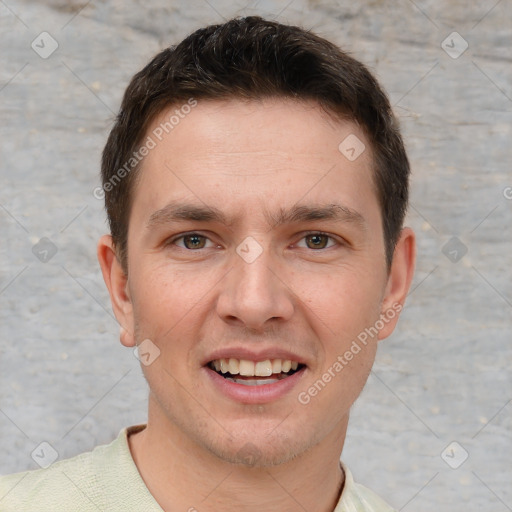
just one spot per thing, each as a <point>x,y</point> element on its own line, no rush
<point>242,154</point>
<point>270,125</point>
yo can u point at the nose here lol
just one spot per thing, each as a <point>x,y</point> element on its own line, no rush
<point>255,293</point>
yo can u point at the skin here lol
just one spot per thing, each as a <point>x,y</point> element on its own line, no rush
<point>247,158</point>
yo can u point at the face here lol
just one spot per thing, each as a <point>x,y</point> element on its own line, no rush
<point>256,263</point>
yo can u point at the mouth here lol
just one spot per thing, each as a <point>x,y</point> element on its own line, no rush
<point>255,373</point>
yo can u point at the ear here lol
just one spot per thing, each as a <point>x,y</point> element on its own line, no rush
<point>399,281</point>
<point>117,284</point>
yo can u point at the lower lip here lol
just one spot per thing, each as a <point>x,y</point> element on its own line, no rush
<point>254,394</point>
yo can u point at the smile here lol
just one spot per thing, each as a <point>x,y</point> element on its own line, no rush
<point>243,371</point>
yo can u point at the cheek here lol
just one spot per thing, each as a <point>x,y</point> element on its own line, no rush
<point>165,297</point>
<point>332,390</point>
<point>170,311</point>
<point>344,300</point>
<point>342,306</point>
<point>164,313</point>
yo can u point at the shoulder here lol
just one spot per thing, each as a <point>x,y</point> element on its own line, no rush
<point>42,488</point>
<point>358,498</point>
<point>87,482</point>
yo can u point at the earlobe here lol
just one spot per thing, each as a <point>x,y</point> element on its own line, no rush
<point>399,280</point>
<point>117,284</point>
<point>127,339</point>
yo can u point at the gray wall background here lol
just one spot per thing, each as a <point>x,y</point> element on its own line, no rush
<point>443,377</point>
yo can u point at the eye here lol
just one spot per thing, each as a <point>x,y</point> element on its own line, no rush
<point>194,241</point>
<point>191,241</point>
<point>318,240</point>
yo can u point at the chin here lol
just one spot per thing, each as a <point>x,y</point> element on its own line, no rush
<point>253,450</point>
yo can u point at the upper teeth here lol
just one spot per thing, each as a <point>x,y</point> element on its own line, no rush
<point>254,369</point>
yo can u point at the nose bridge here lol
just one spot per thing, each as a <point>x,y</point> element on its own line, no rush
<point>252,291</point>
<point>254,273</point>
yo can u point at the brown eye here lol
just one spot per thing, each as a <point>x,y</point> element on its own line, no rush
<point>191,241</point>
<point>317,241</point>
<point>194,241</point>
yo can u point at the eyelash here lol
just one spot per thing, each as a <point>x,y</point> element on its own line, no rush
<point>172,241</point>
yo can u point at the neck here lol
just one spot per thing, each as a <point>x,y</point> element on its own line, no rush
<point>184,476</point>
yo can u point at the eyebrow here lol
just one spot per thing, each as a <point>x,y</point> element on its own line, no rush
<point>177,211</point>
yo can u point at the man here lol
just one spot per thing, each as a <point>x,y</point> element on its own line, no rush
<point>256,185</point>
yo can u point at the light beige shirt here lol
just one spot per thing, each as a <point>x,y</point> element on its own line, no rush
<point>107,479</point>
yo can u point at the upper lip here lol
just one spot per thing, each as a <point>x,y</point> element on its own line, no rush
<point>252,355</point>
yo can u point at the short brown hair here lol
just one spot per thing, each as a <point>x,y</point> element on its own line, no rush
<point>253,58</point>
